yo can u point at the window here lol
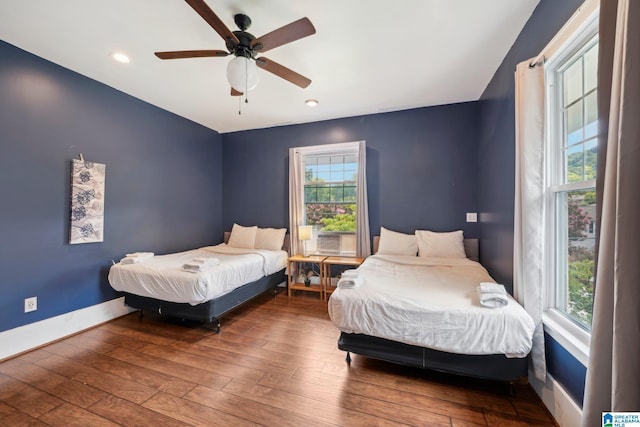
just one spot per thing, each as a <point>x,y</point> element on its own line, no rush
<point>328,191</point>
<point>330,201</point>
<point>571,77</point>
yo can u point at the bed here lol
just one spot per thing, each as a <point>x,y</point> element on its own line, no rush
<point>160,285</point>
<point>425,312</point>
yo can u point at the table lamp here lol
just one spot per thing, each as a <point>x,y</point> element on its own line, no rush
<point>304,234</point>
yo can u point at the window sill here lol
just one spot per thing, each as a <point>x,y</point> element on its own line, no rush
<point>340,254</point>
<point>570,336</point>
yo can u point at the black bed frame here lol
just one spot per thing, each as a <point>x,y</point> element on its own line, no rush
<point>492,367</point>
<point>496,367</point>
<point>211,311</point>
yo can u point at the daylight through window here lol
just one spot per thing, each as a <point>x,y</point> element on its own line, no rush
<point>330,192</point>
<point>572,158</point>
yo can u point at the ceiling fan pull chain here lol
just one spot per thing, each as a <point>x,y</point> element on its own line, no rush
<point>239,106</point>
<point>246,82</point>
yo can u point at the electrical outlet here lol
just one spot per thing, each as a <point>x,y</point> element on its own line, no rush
<point>472,217</point>
<point>30,304</point>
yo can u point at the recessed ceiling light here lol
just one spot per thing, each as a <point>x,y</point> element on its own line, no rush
<point>120,57</point>
<point>311,102</point>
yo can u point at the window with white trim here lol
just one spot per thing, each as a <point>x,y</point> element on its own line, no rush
<point>330,199</point>
<point>330,191</point>
<point>571,152</point>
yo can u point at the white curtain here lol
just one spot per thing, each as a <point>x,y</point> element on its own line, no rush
<point>613,373</point>
<point>529,203</point>
<point>296,192</point>
<point>363,245</point>
<point>296,198</point>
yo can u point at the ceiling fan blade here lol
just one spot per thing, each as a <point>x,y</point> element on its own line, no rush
<point>283,35</point>
<point>283,72</point>
<point>236,92</point>
<point>178,54</point>
<point>212,19</point>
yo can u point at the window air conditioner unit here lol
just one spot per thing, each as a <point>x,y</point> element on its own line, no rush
<point>328,243</point>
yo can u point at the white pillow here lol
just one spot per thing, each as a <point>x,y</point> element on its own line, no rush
<point>242,237</point>
<point>394,243</point>
<point>442,245</point>
<point>270,238</point>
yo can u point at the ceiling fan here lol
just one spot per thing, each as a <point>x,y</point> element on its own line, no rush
<point>242,71</point>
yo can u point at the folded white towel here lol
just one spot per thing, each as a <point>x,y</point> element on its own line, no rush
<point>492,295</point>
<point>200,264</point>
<point>491,288</point>
<point>493,300</point>
<point>349,282</point>
<point>136,258</point>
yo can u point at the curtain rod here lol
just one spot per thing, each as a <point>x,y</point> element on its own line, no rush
<point>578,19</point>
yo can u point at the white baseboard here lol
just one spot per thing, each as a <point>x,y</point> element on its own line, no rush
<point>27,337</point>
<point>564,410</point>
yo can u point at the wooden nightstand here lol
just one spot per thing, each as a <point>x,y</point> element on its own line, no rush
<point>293,280</point>
<point>325,277</point>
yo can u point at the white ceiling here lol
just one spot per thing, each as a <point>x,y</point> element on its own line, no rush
<point>367,56</point>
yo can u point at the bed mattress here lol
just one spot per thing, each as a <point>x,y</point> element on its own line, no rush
<point>430,302</point>
<point>161,277</point>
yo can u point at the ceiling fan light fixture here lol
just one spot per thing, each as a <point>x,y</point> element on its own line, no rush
<point>242,74</point>
<point>311,102</point>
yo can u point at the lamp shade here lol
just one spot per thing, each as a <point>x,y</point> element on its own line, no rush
<point>242,74</point>
<point>304,232</point>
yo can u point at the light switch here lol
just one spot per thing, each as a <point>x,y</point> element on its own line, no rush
<point>472,217</point>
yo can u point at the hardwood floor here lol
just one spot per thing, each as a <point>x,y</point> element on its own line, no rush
<point>275,362</point>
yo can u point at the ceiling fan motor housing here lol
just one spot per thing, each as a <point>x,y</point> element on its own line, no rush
<point>243,48</point>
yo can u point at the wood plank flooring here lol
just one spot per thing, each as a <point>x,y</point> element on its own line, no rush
<point>275,362</point>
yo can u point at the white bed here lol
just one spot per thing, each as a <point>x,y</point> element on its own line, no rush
<point>162,278</point>
<point>433,303</point>
<point>250,262</point>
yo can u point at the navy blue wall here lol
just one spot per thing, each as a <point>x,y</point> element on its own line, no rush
<point>497,138</point>
<point>497,166</point>
<point>565,368</point>
<point>421,168</point>
<point>163,184</point>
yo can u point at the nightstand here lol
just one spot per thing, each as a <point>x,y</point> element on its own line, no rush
<point>325,277</point>
<point>293,278</point>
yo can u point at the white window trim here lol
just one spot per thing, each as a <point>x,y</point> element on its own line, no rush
<point>573,186</point>
<point>328,149</point>
<point>573,337</point>
<point>339,148</point>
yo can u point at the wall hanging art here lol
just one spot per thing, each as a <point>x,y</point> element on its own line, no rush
<point>87,202</point>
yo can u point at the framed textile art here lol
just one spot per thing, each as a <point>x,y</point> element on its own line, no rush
<point>87,202</point>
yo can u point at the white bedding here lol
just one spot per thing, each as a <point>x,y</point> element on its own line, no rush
<point>430,302</point>
<point>161,277</point>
